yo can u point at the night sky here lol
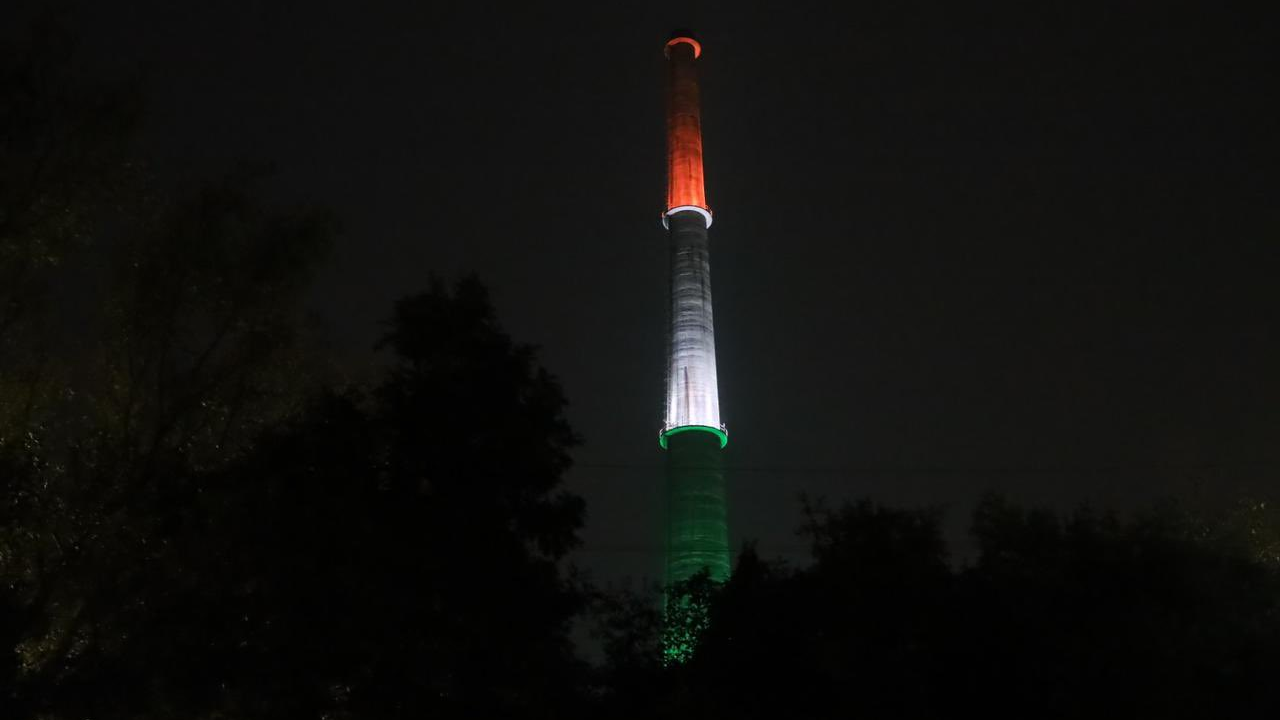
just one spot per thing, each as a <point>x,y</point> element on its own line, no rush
<point>954,250</point>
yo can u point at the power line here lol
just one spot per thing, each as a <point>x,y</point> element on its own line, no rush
<point>956,469</point>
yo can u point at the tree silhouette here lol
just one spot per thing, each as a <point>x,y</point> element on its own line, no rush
<point>190,353</point>
<point>1084,615</point>
<point>1091,613</point>
<point>395,555</point>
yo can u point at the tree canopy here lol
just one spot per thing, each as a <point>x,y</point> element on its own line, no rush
<point>374,556</point>
<point>1087,614</point>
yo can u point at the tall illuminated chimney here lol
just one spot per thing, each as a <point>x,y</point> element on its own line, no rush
<point>692,434</point>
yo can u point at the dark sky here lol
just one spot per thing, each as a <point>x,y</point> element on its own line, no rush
<point>954,250</point>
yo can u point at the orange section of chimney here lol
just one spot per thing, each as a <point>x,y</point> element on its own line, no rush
<point>684,126</point>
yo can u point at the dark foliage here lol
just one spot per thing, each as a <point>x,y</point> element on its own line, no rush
<point>389,558</point>
<point>1079,617</point>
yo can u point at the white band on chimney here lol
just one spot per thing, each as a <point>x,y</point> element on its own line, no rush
<point>705,213</point>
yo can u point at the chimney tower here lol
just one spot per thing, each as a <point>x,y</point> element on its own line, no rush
<point>692,433</point>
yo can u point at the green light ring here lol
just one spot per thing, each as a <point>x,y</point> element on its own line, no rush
<point>724,436</point>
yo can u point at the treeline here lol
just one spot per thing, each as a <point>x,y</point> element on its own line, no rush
<point>203,516</point>
<point>1165,614</point>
